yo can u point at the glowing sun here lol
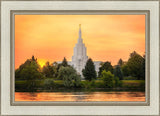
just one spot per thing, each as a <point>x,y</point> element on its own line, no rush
<point>41,62</point>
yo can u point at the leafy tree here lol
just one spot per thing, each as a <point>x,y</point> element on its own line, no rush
<point>108,78</point>
<point>17,74</point>
<point>56,68</point>
<point>77,80</point>
<point>29,71</point>
<point>49,70</point>
<point>69,76</point>
<point>105,66</point>
<point>64,64</point>
<point>120,62</point>
<point>89,71</point>
<point>125,70</point>
<point>133,54</point>
<point>30,68</point>
<point>118,72</point>
<point>136,65</point>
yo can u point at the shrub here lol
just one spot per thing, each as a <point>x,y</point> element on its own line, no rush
<point>86,84</point>
<point>49,84</point>
<point>70,77</point>
<point>107,78</point>
<point>77,81</point>
<point>99,84</point>
<point>118,83</point>
<point>67,81</point>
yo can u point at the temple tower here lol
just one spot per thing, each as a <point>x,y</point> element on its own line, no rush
<point>79,57</point>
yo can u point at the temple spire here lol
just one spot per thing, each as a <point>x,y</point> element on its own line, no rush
<point>80,34</point>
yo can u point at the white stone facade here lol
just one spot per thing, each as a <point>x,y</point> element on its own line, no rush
<point>79,57</point>
<point>97,65</point>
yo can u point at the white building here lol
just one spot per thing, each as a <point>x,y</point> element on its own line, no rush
<point>80,57</point>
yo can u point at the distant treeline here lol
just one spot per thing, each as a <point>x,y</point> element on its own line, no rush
<point>30,71</point>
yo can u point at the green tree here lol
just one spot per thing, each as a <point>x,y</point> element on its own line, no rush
<point>89,71</point>
<point>56,68</point>
<point>105,66</point>
<point>118,83</point>
<point>17,75</point>
<point>64,62</point>
<point>48,83</point>
<point>120,62</point>
<point>77,80</point>
<point>108,78</point>
<point>69,76</point>
<point>125,70</point>
<point>136,65</point>
<point>29,71</point>
<point>118,72</point>
<point>49,70</point>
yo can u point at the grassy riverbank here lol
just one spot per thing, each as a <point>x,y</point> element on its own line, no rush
<point>97,85</point>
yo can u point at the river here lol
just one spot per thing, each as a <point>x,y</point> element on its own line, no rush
<point>80,96</point>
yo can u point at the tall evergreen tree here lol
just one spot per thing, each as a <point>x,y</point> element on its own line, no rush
<point>118,72</point>
<point>89,72</point>
<point>120,62</point>
<point>64,62</point>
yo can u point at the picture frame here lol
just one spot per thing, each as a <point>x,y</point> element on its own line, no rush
<point>10,8</point>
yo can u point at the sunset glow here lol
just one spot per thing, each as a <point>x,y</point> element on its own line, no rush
<point>53,37</point>
<point>42,62</point>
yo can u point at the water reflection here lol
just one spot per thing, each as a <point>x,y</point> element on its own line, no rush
<point>79,96</point>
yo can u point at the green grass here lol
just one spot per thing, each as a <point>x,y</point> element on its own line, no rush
<point>133,84</point>
<point>20,82</point>
<point>133,81</point>
<point>58,81</point>
<point>58,84</point>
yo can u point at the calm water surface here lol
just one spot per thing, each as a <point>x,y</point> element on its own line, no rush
<point>79,96</point>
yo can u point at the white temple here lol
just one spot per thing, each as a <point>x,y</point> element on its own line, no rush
<point>79,57</point>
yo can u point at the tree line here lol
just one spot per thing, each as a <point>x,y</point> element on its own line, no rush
<point>30,71</point>
<point>134,68</point>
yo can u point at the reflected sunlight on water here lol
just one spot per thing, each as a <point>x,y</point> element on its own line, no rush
<point>79,96</point>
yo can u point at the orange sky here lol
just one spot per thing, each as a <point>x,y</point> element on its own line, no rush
<point>52,37</point>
